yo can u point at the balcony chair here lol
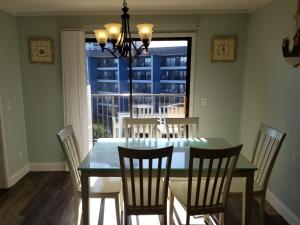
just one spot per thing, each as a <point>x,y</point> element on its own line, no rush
<point>102,187</point>
<point>206,190</point>
<point>136,127</point>
<point>267,146</point>
<point>169,111</point>
<point>143,111</point>
<point>177,127</point>
<point>145,178</point>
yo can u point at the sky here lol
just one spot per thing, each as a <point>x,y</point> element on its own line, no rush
<point>163,44</point>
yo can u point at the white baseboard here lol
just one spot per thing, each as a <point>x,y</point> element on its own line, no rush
<point>48,166</point>
<point>18,175</point>
<point>282,209</point>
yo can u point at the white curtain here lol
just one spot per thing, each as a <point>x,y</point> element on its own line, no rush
<point>75,90</point>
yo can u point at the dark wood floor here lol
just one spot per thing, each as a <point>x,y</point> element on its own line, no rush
<point>46,198</point>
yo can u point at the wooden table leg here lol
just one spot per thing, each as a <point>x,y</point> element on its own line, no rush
<point>171,208</point>
<point>85,198</point>
<point>247,207</point>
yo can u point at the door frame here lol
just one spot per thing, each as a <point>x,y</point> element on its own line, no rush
<point>192,51</point>
<point>3,151</point>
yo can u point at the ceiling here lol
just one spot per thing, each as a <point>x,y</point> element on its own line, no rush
<point>136,6</point>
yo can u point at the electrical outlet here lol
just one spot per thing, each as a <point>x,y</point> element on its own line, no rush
<point>204,101</point>
<point>8,106</point>
<point>21,153</point>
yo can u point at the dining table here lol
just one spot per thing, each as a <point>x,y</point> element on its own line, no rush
<point>103,161</point>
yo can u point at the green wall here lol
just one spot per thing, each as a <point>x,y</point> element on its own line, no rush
<point>42,84</point>
<point>220,82</point>
<point>259,87</point>
<point>11,95</point>
<point>271,95</point>
<point>42,91</point>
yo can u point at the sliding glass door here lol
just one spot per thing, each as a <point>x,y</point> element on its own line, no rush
<point>161,81</point>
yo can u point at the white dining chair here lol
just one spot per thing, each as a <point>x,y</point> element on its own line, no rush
<point>182,127</point>
<point>205,192</point>
<point>107,187</point>
<point>268,143</point>
<point>137,127</point>
<point>145,178</point>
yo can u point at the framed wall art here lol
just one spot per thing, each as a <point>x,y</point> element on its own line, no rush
<point>223,49</point>
<point>41,50</point>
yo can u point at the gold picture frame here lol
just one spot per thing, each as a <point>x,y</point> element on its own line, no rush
<point>41,50</point>
<point>223,48</point>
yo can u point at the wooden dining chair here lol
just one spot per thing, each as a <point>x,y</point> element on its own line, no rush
<point>137,127</point>
<point>145,178</point>
<point>207,187</point>
<point>267,146</point>
<point>101,188</point>
<point>177,127</point>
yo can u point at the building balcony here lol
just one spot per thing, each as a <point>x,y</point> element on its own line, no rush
<point>109,110</point>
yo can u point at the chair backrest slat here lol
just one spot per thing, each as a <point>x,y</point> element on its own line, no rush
<point>145,126</point>
<point>182,127</point>
<point>268,144</point>
<point>223,178</point>
<point>158,180</point>
<point>207,182</point>
<point>152,169</point>
<point>210,173</point>
<point>149,182</point>
<point>198,182</point>
<point>132,181</point>
<point>141,182</point>
<point>70,148</point>
<point>215,181</point>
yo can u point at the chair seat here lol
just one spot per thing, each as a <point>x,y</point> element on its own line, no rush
<point>179,189</point>
<point>238,186</point>
<point>101,186</point>
<point>145,192</point>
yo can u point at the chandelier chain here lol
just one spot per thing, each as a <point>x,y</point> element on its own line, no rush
<point>124,3</point>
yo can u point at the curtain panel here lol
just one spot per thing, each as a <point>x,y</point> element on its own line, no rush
<point>75,90</point>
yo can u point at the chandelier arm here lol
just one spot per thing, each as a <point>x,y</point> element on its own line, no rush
<point>124,48</point>
<point>121,43</point>
<point>128,41</point>
<point>111,52</point>
<point>129,34</point>
<point>120,46</point>
<point>139,51</point>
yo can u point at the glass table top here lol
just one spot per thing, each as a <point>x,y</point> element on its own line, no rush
<point>104,157</point>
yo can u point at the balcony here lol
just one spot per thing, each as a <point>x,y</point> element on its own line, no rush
<point>109,110</point>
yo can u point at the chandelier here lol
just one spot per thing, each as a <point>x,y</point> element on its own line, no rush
<point>116,39</point>
<point>119,36</point>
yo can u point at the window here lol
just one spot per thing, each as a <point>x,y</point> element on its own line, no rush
<point>160,79</point>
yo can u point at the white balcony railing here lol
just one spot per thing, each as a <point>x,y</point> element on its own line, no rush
<point>109,110</point>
